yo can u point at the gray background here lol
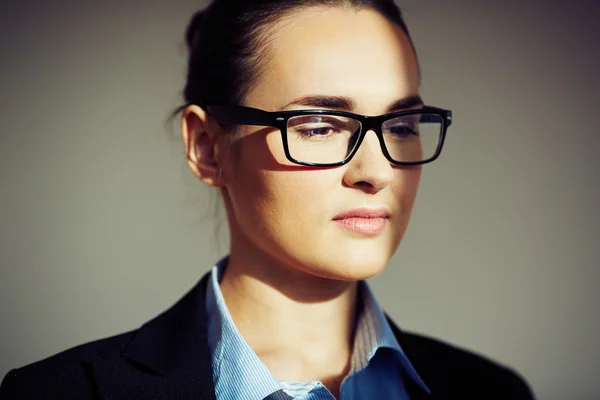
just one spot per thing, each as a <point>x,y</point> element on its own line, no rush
<point>102,226</point>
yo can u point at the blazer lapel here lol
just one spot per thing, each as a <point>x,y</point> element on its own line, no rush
<point>168,357</point>
<point>414,391</point>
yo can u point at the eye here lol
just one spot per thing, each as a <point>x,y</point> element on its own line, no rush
<point>404,129</point>
<point>315,130</point>
<point>320,127</point>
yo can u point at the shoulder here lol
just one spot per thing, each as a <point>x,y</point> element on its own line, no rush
<point>459,372</point>
<point>128,364</point>
<point>66,375</point>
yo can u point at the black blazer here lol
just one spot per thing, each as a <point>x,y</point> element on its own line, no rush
<point>168,358</point>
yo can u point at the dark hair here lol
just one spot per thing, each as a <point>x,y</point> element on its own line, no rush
<point>226,43</point>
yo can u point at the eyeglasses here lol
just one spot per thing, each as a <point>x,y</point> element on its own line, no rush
<point>331,138</point>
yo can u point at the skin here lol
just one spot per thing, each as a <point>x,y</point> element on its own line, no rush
<point>291,281</point>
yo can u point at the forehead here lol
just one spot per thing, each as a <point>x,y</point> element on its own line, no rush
<point>336,52</point>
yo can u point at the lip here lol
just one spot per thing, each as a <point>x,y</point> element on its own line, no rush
<point>363,212</point>
<point>365,221</point>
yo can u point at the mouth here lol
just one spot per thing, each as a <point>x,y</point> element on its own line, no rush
<point>366,221</point>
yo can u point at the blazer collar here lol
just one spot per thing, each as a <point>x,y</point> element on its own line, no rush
<point>418,358</point>
<point>168,355</point>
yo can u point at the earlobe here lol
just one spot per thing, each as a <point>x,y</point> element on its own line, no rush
<point>201,147</point>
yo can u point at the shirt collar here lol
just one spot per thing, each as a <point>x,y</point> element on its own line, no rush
<point>238,372</point>
<point>373,332</point>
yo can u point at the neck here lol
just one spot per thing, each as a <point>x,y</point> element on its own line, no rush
<point>295,322</point>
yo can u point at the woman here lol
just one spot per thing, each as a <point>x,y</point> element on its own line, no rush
<point>306,115</point>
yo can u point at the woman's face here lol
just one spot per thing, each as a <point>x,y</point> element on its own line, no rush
<point>286,212</point>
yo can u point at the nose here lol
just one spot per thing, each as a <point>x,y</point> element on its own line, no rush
<point>369,170</point>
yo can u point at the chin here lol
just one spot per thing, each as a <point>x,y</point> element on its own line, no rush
<point>344,257</point>
<point>353,265</point>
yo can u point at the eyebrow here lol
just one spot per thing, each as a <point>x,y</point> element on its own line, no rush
<point>407,102</point>
<point>317,101</point>
<point>347,104</point>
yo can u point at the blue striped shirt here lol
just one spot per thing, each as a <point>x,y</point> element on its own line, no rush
<point>377,361</point>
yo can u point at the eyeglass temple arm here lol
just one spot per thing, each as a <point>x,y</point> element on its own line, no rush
<point>241,115</point>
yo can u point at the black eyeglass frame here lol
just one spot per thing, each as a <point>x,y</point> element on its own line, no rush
<point>242,115</point>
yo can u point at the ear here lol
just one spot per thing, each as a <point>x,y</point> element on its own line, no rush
<point>201,145</point>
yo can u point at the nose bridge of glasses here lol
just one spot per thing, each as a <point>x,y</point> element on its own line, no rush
<point>373,126</point>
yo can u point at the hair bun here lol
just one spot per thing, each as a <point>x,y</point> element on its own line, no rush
<point>194,29</point>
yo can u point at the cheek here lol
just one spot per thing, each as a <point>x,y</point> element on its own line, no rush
<point>281,201</point>
<point>284,214</point>
<point>405,186</point>
<point>271,194</point>
<point>404,191</point>
<point>267,186</point>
